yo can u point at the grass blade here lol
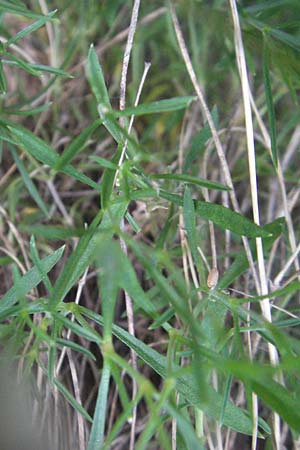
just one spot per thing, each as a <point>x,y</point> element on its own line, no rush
<point>270,104</point>
<point>41,151</point>
<point>76,146</point>
<point>28,183</point>
<point>160,106</point>
<point>30,29</point>
<point>97,430</point>
<point>30,280</point>
<point>191,180</point>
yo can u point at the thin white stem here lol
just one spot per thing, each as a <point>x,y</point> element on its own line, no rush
<point>286,267</point>
<point>127,53</point>
<point>265,304</point>
<point>216,139</point>
<point>280,176</point>
<point>128,301</point>
<point>137,99</point>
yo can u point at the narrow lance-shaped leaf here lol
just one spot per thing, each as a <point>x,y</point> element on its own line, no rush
<point>18,9</point>
<point>199,141</point>
<point>3,84</point>
<point>29,183</point>
<point>270,104</point>
<point>22,64</point>
<point>234,417</point>
<point>191,180</point>
<point>30,280</point>
<point>29,111</point>
<point>37,262</point>
<point>160,106</point>
<point>190,227</point>
<point>40,68</point>
<point>97,430</point>
<point>86,250</point>
<point>218,214</point>
<point>30,29</point>
<point>96,78</point>
<point>76,146</point>
<point>41,151</point>
<point>109,263</point>
<point>73,402</point>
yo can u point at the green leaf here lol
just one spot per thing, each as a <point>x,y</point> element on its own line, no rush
<point>160,106</point>
<point>96,78</point>
<point>280,400</point>
<point>190,227</point>
<point>162,319</point>
<point>104,162</point>
<point>270,105</point>
<point>52,232</point>
<point>76,347</point>
<point>221,216</point>
<point>29,111</point>
<point>240,263</point>
<point>230,220</point>
<point>53,70</point>
<point>30,29</point>
<point>30,280</point>
<point>97,430</point>
<point>290,289</point>
<point>199,141</point>
<point>109,262</point>
<point>52,351</point>
<point>268,5</point>
<point>76,146</point>
<point>187,432</point>
<point>77,329</point>
<point>29,183</point>
<point>186,385</point>
<point>191,180</point>
<point>41,151</point>
<point>272,393</point>
<point>108,180</point>
<point>73,402</point>
<point>9,7</point>
<point>3,84</point>
<point>37,262</point>
<point>119,272</point>
<point>22,64</point>
<point>86,250</point>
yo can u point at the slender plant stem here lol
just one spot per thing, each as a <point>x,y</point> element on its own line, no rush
<point>265,304</point>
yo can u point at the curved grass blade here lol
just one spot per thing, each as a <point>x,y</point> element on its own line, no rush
<point>224,217</point>
<point>76,146</point>
<point>234,417</point>
<point>73,402</point>
<point>96,78</point>
<point>97,430</point>
<point>270,104</point>
<point>160,106</point>
<point>190,227</point>
<point>76,347</point>
<point>86,250</point>
<point>29,183</point>
<point>41,151</point>
<point>31,28</point>
<point>18,9</point>
<point>53,232</point>
<point>30,280</point>
<point>191,180</point>
<point>3,83</point>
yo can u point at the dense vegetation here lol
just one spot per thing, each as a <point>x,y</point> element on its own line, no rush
<point>149,221</point>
